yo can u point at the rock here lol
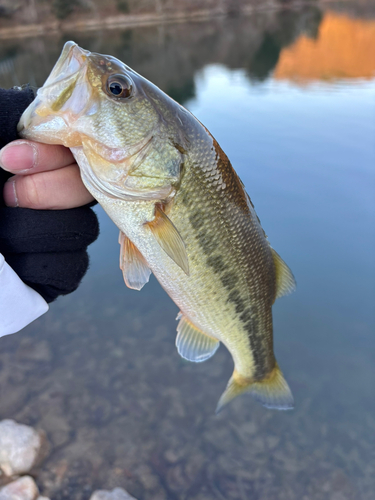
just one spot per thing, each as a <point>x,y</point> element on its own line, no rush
<point>21,489</point>
<point>21,447</point>
<point>116,494</point>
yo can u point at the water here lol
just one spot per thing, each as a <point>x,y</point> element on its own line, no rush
<point>100,372</point>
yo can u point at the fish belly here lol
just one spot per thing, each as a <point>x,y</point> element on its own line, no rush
<point>222,296</point>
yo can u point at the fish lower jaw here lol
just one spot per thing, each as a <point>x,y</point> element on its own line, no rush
<point>49,131</point>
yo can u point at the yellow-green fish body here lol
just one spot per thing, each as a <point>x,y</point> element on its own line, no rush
<point>181,209</point>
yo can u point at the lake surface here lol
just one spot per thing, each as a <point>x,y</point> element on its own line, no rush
<point>290,98</point>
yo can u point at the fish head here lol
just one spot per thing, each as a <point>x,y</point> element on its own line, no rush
<point>123,130</point>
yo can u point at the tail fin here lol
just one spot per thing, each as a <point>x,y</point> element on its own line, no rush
<point>273,391</point>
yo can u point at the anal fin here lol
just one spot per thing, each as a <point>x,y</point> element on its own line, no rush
<point>285,281</point>
<point>169,239</point>
<point>134,268</point>
<point>192,344</point>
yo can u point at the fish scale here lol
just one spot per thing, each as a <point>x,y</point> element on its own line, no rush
<point>224,206</point>
<point>182,211</point>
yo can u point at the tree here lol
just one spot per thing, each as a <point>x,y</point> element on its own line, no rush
<point>62,8</point>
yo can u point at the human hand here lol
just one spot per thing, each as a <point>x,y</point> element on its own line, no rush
<point>42,241</point>
<point>45,177</point>
<point>45,244</point>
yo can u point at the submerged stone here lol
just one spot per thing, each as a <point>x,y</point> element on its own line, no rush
<point>21,447</point>
<point>116,494</point>
<point>23,488</point>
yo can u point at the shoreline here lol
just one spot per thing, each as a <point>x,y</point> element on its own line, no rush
<point>135,20</point>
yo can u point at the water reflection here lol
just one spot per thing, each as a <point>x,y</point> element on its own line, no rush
<point>291,42</point>
<point>100,372</point>
<point>344,48</point>
<point>288,26</point>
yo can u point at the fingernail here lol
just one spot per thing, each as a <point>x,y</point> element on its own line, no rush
<point>18,157</point>
<point>10,193</point>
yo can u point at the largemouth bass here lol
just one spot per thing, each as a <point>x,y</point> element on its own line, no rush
<point>182,211</point>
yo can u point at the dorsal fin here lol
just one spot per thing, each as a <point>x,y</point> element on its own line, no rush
<point>192,344</point>
<point>134,268</point>
<point>285,282</point>
<point>169,239</point>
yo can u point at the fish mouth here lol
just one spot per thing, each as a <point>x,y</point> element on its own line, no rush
<point>71,60</point>
<point>66,91</point>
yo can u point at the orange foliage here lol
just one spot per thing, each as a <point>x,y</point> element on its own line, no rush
<point>345,48</point>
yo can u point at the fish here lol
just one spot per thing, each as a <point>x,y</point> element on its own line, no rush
<point>182,211</point>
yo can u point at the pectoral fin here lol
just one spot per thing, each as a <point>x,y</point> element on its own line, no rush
<point>132,263</point>
<point>169,239</point>
<point>285,282</point>
<point>192,344</point>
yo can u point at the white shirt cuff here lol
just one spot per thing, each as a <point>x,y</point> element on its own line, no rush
<point>19,304</point>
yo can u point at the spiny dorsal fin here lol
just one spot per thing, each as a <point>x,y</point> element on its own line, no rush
<point>272,392</point>
<point>132,263</point>
<point>285,282</point>
<point>192,344</point>
<point>169,239</point>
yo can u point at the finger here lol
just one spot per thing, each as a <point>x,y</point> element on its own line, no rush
<point>54,190</point>
<point>29,157</point>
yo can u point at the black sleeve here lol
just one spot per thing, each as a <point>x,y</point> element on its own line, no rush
<point>46,248</point>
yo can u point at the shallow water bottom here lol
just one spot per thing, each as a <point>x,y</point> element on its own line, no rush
<point>121,408</point>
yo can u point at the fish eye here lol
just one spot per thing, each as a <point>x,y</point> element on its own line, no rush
<point>119,86</point>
